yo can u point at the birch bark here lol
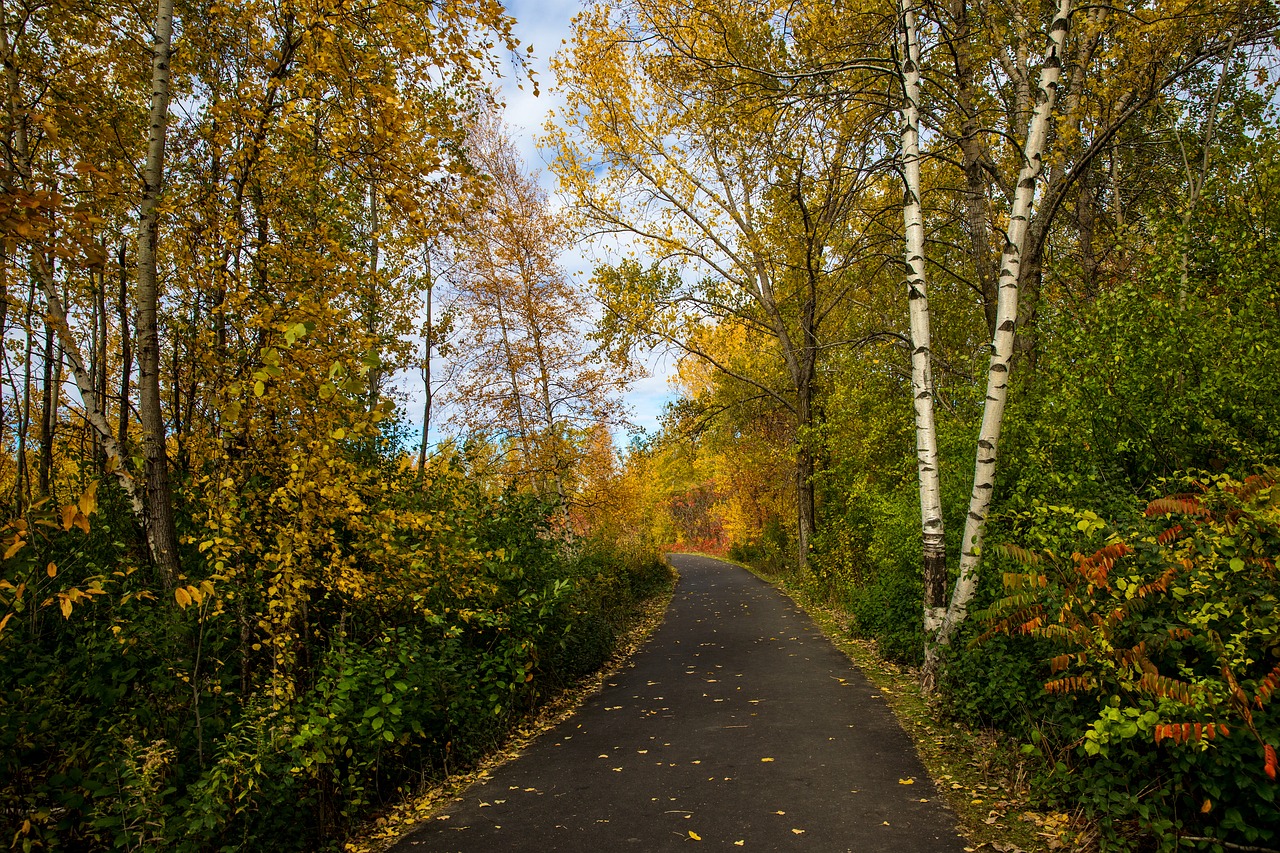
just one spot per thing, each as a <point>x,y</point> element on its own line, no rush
<point>931,524</point>
<point>1003,340</point>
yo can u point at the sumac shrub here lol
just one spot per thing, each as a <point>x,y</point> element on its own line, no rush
<point>1163,639</point>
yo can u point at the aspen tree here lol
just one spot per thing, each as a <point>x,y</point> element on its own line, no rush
<point>749,202</point>
<point>532,378</point>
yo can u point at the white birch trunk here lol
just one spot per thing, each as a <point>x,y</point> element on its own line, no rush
<point>931,525</point>
<point>1002,342</point>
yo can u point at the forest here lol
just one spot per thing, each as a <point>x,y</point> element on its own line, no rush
<point>317,466</point>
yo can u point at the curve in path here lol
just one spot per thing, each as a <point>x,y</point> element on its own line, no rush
<point>738,725</point>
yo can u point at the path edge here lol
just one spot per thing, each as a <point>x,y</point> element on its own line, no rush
<point>389,828</point>
<point>1020,832</point>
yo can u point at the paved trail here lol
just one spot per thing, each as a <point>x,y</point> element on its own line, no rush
<point>739,726</point>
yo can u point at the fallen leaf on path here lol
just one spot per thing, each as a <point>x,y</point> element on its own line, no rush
<point>798,831</point>
<point>695,836</point>
<point>766,759</point>
<point>910,780</point>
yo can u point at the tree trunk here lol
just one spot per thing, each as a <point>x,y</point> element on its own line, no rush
<point>47,416</point>
<point>4,332</point>
<point>976,182</point>
<point>371,296</point>
<point>22,484</point>
<point>126,355</point>
<point>88,394</point>
<point>806,503</point>
<point>513,378</point>
<point>426,375</point>
<point>932,532</point>
<point>1002,343</point>
<point>161,533</point>
<point>548,410</point>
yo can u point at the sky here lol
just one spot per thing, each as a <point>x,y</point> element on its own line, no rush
<point>544,24</point>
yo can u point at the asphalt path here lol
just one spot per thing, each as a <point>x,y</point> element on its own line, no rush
<point>737,726</point>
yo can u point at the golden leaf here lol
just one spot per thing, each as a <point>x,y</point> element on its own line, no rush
<point>89,500</point>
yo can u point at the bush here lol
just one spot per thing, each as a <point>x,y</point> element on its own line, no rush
<point>440,617</point>
<point>1165,657</point>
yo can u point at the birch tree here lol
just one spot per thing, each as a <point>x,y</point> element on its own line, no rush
<point>932,528</point>
<point>161,532</point>
<point>1033,151</point>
